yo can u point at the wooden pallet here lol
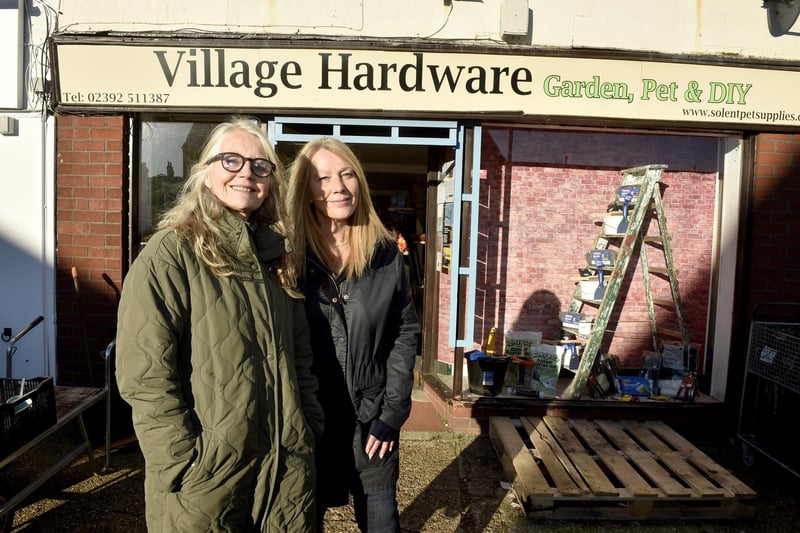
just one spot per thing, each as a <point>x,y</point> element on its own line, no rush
<point>572,469</point>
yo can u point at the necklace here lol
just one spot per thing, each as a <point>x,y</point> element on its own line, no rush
<point>339,244</point>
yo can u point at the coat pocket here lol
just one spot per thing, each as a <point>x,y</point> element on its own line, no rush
<point>369,401</point>
<point>192,473</point>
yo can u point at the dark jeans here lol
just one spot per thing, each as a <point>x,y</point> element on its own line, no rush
<point>375,513</point>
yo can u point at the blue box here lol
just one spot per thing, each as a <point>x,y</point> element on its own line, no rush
<point>635,386</point>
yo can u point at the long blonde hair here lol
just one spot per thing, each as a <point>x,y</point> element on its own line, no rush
<point>366,228</point>
<point>196,212</point>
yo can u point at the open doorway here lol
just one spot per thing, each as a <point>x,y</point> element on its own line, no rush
<point>397,181</point>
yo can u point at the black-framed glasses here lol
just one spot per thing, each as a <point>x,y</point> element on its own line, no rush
<point>233,162</point>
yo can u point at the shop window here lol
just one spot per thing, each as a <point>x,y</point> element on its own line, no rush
<point>167,150</point>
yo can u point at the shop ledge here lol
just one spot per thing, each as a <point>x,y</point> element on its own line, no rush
<point>703,418</point>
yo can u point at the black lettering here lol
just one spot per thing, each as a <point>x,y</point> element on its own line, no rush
<point>271,88</point>
<point>220,67</point>
<point>241,78</point>
<point>206,67</point>
<point>417,68</point>
<point>192,69</point>
<point>477,84</point>
<point>365,80</point>
<point>497,71</point>
<point>326,69</point>
<point>447,75</point>
<point>292,68</point>
<point>520,76</point>
<point>385,70</point>
<point>169,74</point>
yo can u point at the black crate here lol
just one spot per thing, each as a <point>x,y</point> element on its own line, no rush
<point>22,420</point>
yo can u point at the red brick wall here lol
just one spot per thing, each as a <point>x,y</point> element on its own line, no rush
<point>90,228</point>
<point>536,227</point>
<point>774,256</point>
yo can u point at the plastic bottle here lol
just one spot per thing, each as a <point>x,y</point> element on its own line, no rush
<point>490,341</point>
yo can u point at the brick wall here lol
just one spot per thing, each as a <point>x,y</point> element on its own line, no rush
<point>774,256</point>
<point>91,170</point>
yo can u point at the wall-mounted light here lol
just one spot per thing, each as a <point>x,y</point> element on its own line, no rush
<point>8,125</point>
<point>515,21</point>
<point>781,15</point>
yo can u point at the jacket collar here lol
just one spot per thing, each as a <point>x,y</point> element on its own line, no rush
<point>269,244</point>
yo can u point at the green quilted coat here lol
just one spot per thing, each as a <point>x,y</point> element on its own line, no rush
<point>217,371</point>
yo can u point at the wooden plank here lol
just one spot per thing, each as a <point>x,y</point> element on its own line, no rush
<point>674,333</point>
<point>613,459</point>
<point>643,459</point>
<point>677,463</point>
<point>589,470</point>
<point>661,270</point>
<point>68,398</point>
<point>555,445</point>
<point>700,459</point>
<point>705,489</point>
<point>649,440</point>
<point>566,478</point>
<point>663,302</point>
<point>528,480</point>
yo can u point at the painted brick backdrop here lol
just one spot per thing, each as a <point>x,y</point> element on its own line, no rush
<point>537,224</point>
<point>90,229</point>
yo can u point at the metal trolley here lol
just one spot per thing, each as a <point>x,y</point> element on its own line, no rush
<point>68,405</point>
<point>771,389</point>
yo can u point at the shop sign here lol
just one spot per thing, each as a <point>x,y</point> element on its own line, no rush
<point>167,76</point>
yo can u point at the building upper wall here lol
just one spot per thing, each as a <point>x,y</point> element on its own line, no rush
<point>682,27</point>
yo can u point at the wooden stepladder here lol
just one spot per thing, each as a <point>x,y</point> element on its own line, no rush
<point>639,196</point>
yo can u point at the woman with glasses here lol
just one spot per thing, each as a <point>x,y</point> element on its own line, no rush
<point>359,306</point>
<point>213,352</point>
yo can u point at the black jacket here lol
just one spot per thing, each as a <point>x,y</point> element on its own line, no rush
<point>367,326</point>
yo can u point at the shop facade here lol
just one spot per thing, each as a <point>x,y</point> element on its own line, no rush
<point>493,160</point>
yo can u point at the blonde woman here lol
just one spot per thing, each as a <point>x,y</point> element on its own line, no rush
<point>365,328</point>
<point>213,353</point>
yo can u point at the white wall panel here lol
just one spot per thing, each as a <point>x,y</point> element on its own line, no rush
<point>11,37</point>
<point>26,247</point>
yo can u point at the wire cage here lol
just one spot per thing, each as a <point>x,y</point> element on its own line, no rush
<point>774,353</point>
<point>771,389</point>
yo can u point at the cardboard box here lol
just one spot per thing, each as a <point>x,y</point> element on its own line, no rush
<point>611,224</point>
<point>588,288</point>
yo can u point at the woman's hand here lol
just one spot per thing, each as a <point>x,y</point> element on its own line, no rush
<point>382,439</point>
